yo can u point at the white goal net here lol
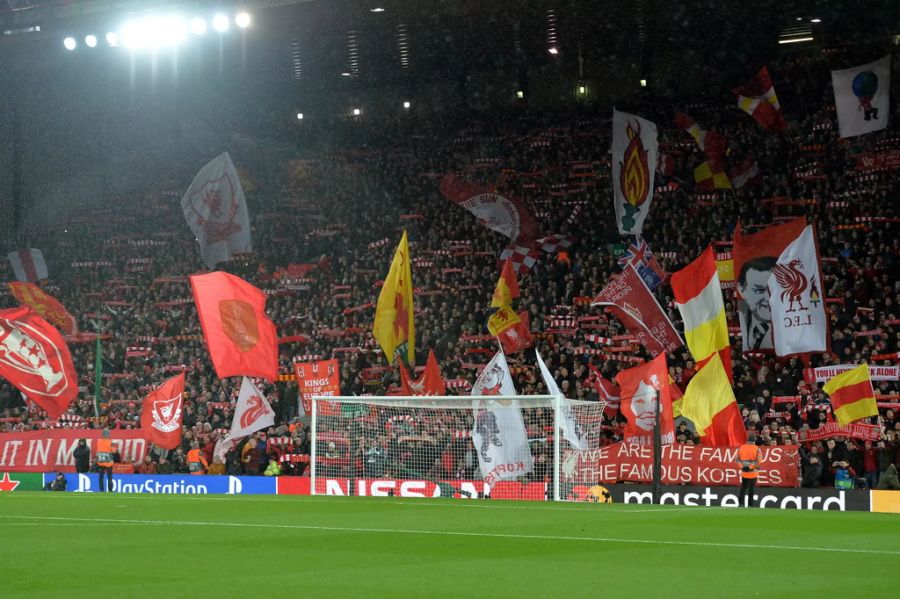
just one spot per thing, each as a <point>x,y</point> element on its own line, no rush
<point>461,446</point>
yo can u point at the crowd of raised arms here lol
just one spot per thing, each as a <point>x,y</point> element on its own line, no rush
<point>127,263</point>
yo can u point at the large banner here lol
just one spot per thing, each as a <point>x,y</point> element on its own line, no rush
<point>681,464</point>
<point>706,496</point>
<point>876,373</point>
<point>177,484</point>
<point>44,451</point>
<point>319,379</point>
<point>635,146</point>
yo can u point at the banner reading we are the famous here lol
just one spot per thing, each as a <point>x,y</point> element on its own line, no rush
<point>321,378</point>
<point>51,450</point>
<point>681,464</point>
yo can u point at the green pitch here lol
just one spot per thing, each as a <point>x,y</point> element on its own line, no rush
<point>72,545</point>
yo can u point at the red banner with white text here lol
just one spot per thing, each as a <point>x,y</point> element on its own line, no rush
<point>319,379</point>
<point>681,464</point>
<point>51,450</point>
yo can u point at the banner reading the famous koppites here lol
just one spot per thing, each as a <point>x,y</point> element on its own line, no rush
<point>634,150</point>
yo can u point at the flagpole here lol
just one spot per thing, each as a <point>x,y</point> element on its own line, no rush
<point>657,454</point>
<point>98,370</point>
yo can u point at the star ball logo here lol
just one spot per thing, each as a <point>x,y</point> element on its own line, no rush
<point>35,357</point>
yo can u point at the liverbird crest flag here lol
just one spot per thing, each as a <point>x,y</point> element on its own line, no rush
<point>252,412</point>
<point>216,211</point>
<point>634,152</point>
<point>799,319</point>
<point>162,413</point>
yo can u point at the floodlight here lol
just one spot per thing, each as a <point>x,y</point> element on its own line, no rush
<point>70,43</point>
<point>90,41</point>
<point>815,20</point>
<point>242,20</point>
<point>520,94</point>
<point>134,35</point>
<point>299,116</point>
<point>112,38</point>
<point>406,104</point>
<point>220,23</point>
<point>357,112</point>
<point>553,50</point>
<point>377,9</point>
<point>643,83</point>
<point>198,26</point>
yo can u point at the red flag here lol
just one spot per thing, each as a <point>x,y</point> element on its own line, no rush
<point>431,382</point>
<point>162,413</point>
<point>643,388</point>
<point>506,215</point>
<point>629,299</point>
<point>36,360</point>
<point>518,336</point>
<point>44,304</point>
<point>240,337</point>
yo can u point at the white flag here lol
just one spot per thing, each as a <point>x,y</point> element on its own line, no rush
<point>252,412</point>
<point>862,97</point>
<point>569,426</point>
<point>799,320</point>
<point>499,435</point>
<point>634,151</point>
<point>28,265</point>
<point>216,211</point>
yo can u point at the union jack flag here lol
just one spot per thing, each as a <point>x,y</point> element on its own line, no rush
<point>645,262</point>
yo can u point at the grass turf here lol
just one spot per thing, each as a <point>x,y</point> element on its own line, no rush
<point>74,545</point>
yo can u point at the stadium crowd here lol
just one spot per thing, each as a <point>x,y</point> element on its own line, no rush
<point>324,233</point>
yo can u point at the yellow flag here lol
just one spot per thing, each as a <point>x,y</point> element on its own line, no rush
<point>502,319</point>
<point>393,326</point>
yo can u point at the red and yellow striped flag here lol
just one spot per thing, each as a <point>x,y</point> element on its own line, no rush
<point>852,395</point>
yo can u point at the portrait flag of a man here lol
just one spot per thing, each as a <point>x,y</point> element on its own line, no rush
<point>644,390</point>
<point>755,256</point>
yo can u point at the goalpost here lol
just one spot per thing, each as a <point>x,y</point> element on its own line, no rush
<point>450,446</point>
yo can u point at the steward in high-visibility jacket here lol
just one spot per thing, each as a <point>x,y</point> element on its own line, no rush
<point>105,461</point>
<point>748,458</point>
<point>196,463</point>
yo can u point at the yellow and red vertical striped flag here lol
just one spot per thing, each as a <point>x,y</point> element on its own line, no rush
<point>852,395</point>
<point>393,327</point>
